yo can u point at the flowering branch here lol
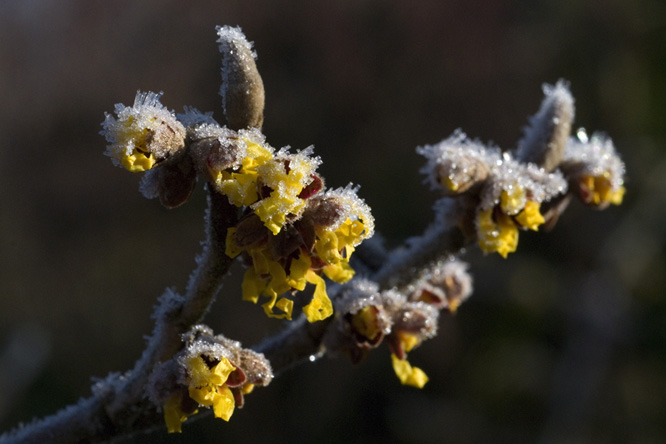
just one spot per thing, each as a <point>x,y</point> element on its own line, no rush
<point>271,210</point>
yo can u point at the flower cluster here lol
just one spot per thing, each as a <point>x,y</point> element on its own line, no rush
<point>509,193</point>
<point>290,231</point>
<point>508,190</point>
<point>211,371</point>
<point>404,318</point>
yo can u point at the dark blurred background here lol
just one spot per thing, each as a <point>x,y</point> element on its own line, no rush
<point>564,342</point>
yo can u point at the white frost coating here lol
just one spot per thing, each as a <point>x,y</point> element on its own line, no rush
<point>557,105</point>
<point>354,208</point>
<point>212,130</point>
<point>303,163</point>
<point>459,156</point>
<point>232,39</point>
<point>449,280</point>
<point>149,186</point>
<point>357,294</point>
<point>508,174</point>
<point>596,156</point>
<point>393,299</point>
<point>417,317</point>
<point>192,117</point>
<point>147,114</point>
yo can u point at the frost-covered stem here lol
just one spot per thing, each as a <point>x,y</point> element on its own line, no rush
<point>172,322</point>
<point>121,408</point>
<point>437,244</point>
<point>295,344</point>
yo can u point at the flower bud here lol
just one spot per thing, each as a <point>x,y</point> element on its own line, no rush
<point>242,89</point>
<point>143,135</point>
<point>546,136</point>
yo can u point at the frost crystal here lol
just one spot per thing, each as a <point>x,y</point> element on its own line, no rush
<point>353,208</point>
<point>595,156</point>
<point>457,163</point>
<point>242,89</point>
<point>546,136</point>
<point>534,183</point>
<point>143,134</point>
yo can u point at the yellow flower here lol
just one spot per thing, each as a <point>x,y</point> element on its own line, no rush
<point>274,209</point>
<point>241,186</point>
<point>335,248</point>
<point>142,134</point>
<point>365,323</point>
<point>407,374</point>
<point>207,385</point>
<point>174,416</point>
<point>272,285</point>
<point>500,236</point>
<point>269,279</point>
<point>530,216</point>
<point>286,176</point>
<point>599,190</point>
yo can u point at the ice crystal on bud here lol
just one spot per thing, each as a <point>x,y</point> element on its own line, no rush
<point>445,286</point>
<point>242,89</point>
<point>192,118</point>
<point>142,135</point>
<point>457,164</point>
<point>353,209</point>
<point>513,183</point>
<point>286,176</point>
<point>549,129</point>
<point>595,170</point>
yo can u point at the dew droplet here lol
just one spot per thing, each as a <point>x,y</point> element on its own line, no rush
<point>582,135</point>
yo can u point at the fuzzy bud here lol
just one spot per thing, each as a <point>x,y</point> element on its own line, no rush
<point>242,89</point>
<point>546,136</point>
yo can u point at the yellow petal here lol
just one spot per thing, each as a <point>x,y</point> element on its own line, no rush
<point>174,416</point>
<point>138,162</point>
<point>203,395</point>
<point>617,196</point>
<point>320,307</point>
<point>530,217</point>
<point>285,305</point>
<point>220,373</point>
<point>340,272</point>
<point>512,201</point>
<point>500,236</point>
<point>407,374</point>
<point>223,406</point>
<point>252,286</point>
<point>364,322</point>
<point>407,340</point>
<point>297,270</point>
